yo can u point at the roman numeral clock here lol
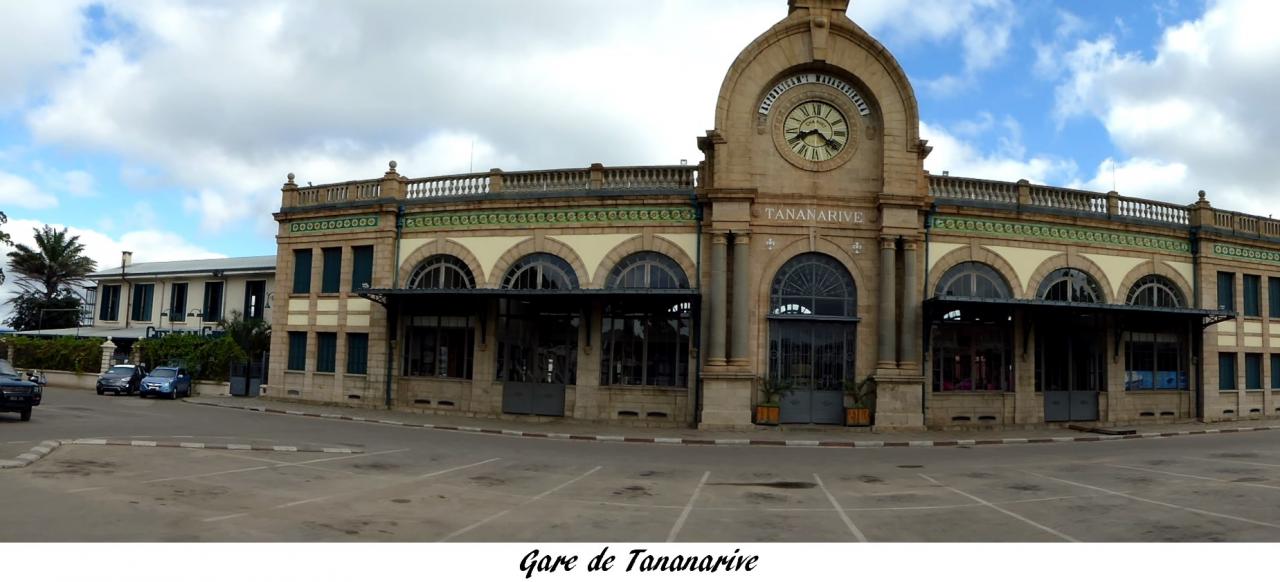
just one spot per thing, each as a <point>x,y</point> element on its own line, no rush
<point>815,119</point>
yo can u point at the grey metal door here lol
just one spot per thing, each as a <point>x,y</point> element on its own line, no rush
<point>537,361</point>
<point>815,359</point>
<point>1071,371</point>
<point>533,398</point>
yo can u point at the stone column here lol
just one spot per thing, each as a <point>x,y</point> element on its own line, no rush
<point>887,315</point>
<point>108,352</point>
<point>719,292</point>
<point>909,339</point>
<point>741,267</point>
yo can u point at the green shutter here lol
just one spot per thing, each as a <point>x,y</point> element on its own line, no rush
<point>298,350</point>
<point>332,270</point>
<point>1226,371</point>
<point>357,353</point>
<point>326,351</point>
<point>212,301</point>
<point>302,271</point>
<point>361,267</point>
<point>178,302</point>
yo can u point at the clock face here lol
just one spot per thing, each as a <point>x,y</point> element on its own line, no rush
<point>815,131</point>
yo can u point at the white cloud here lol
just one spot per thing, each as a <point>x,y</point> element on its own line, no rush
<point>1142,178</point>
<point>1198,114</point>
<point>18,191</point>
<point>36,38</point>
<point>1008,161</point>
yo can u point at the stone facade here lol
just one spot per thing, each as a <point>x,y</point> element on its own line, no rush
<point>777,188</point>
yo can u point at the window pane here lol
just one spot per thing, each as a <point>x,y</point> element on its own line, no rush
<point>1273,296</point>
<point>1226,371</point>
<point>332,274</point>
<point>1226,291</point>
<point>1252,297</point>
<point>357,353</point>
<point>302,271</point>
<point>212,301</point>
<point>142,296</point>
<point>439,346</point>
<point>1253,371</point>
<point>361,267</point>
<point>1275,371</point>
<point>326,351</point>
<point>298,350</point>
<point>178,302</point>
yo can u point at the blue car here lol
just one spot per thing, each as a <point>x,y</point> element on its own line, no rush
<point>167,382</point>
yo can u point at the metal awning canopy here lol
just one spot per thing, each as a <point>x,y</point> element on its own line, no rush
<point>384,296</point>
<point>937,306</point>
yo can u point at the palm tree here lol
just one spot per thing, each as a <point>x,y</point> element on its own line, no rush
<point>252,335</point>
<point>54,266</point>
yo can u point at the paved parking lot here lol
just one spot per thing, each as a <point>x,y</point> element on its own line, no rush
<point>420,485</point>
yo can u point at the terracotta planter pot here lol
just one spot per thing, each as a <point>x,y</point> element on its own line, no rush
<point>766,414</point>
<point>857,417</point>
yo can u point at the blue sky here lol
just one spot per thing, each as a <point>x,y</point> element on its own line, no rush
<point>166,127</point>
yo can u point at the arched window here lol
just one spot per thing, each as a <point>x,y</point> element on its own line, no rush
<point>441,272</point>
<point>812,337</point>
<point>1155,291</point>
<point>647,270</point>
<point>540,271</point>
<point>813,284</point>
<point>1071,285</point>
<point>973,279</point>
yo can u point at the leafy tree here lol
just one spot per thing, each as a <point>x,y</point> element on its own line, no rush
<point>47,277</point>
<point>252,335</point>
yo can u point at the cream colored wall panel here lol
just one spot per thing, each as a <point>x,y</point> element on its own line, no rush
<point>592,248</point>
<point>1275,329</point>
<point>357,320</point>
<point>1227,327</point>
<point>937,250</point>
<point>358,304</point>
<point>298,320</point>
<point>1227,340</point>
<point>327,319</point>
<point>488,249</point>
<point>687,241</point>
<point>409,245</point>
<point>1254,341</point>
<point>1024,261</point>
<point>1187,270</point>
<point>1253,327</point>
<point>327,305</point>
<point>1116,269</point>
<point>299,304</point>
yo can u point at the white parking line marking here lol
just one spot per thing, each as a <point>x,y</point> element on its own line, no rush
<point>82,490</point>
<point>1001,509</point>
<point>688,507</point>
<point>1201,477</point>
<point>857,533</point>
<point>345,493</point>
<point>526,502</point>
<point>259,468</point>
<point>1255,463</point>
<point>1161,503</point>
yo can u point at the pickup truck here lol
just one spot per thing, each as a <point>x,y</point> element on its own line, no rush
<point>16,394</point>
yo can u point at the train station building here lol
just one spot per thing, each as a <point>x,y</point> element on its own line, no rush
<point>808,249</point>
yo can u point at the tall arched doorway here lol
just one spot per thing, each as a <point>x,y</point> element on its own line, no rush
<point>812,337</point>
<point>538,335</point>
<point>1071,348</point>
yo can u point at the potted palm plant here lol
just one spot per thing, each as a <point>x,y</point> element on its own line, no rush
<point>862,397</point>
<point>767,409</point>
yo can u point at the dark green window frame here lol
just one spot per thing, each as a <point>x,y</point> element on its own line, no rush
<point>178,302</point>
<point>1273,296</point>
<point>331,278</point>
<point>361,267</point>
<point>212,301</point>
<point>297,351</point>
<point>1226,291</point>
<point>302,270</point>
<point>1253,371</point>
<point>1275,371</point>
<point>110,310</point>
<point>1252,296</point>
<point>358,353</point>
<point>1226,371</point>
<point>326,351</point>
<point>143,294</point>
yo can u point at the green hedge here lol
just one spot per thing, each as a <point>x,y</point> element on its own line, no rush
<point>64,354</point>
<point>207,358</point>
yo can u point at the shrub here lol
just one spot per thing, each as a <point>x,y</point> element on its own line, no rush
<point>207,358</point>
<point>63,354</point>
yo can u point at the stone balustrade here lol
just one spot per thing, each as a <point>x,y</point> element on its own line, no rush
<point>595,178</point>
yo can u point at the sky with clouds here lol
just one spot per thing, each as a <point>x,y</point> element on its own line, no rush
<point>166,127</point>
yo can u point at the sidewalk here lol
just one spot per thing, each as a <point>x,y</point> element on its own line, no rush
<point>570,429</point>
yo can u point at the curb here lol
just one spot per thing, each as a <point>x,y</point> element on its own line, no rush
<point>748,441</point>
<point>43,449</point>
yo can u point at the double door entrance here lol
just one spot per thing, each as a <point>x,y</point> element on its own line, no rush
<point>537,358</point>
<point>1070,371</point>
<point>813,360</point>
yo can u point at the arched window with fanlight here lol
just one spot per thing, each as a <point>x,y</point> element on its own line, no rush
<point>1156,351</point>
<point>541,271</point>
<point>438,343</point>
<point>1071,286</point>
<point>646,338</point>
<point>971,345</point>
<point>812,337</point>
<point>538,337</point>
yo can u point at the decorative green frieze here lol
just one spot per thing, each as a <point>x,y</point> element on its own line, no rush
<point>1246,253</point>
<point>1059,233</point>
<point>549,217</point>
<point>333,224</point>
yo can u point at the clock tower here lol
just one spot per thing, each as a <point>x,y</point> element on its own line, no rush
<point>814,196</point>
